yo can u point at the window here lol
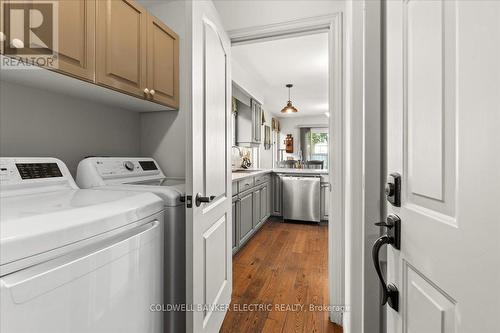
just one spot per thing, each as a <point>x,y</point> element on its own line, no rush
<point>316,145</point>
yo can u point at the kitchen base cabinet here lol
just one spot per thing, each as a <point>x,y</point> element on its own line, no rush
<point>277,196</point>
<point>236,221</point>
<point>256,207</point>
<point>251,208</point>
<point>246,218</point>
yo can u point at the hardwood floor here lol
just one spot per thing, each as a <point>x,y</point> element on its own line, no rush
<point>283,266</point>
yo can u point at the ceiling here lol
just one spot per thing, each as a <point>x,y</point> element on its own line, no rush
<point>302,61</point>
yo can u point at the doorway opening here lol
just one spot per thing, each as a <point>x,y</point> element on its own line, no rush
<point>287,270</point>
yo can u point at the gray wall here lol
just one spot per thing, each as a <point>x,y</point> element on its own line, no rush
<point>34,122</point>
<point>291,125</point>
<point>163,134</point>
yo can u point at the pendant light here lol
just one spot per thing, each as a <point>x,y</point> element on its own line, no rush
<point>289,108</point>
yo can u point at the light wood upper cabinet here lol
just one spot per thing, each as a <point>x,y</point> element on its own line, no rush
<point>121,42</point>
<point>163,63</point>
<point>77,38</point>
<point>113,43</point>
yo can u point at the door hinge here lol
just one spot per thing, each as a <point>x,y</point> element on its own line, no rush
<point>188,199</point>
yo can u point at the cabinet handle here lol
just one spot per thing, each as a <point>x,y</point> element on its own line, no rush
<point>146,91</point>
<point>152,92</point>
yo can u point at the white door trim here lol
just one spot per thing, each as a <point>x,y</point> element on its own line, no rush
<point>363,164</point>
<point>333,24</point>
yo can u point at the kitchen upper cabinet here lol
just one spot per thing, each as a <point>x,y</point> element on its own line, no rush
<point>121,54</point>
<point>163,63</point>
<point>248,122</point>
<point>77,38</point>
<point>256,122</point>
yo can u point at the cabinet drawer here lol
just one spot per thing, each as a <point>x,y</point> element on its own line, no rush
<point>235,188</point>
<point>245,184</point>
<point>262,179</point>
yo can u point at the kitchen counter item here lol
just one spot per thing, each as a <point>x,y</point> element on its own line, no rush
<point>301,197</point>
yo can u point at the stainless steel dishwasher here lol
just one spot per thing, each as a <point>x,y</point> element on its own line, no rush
<point>301,197</point>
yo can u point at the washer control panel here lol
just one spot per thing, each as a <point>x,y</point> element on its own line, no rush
<point>38,170</point>
<point>131,167</point>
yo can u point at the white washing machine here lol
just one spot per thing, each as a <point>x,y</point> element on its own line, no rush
<point>74,260</point>
<point>144,174</point>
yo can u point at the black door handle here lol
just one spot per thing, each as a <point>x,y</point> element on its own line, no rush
<point>201,199</point>
<point>390,293</point>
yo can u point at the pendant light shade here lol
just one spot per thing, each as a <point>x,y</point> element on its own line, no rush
<point>289,108</point>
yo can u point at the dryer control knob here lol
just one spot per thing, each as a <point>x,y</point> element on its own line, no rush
<point>129,166</point>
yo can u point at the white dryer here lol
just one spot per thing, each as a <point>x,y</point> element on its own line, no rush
<point>144,174</point>
<point>74,260</point>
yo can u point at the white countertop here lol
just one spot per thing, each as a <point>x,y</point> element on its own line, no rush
<point>257,172</point>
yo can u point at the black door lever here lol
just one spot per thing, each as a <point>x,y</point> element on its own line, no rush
<point>390,291</point>
<point>201,199</point>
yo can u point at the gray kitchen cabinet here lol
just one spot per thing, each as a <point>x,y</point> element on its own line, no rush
<point>236,222</point>
<point>246,217</point>
<point>256,206</point>
<point>248,124</point>
<point>257,121</point>
<point>277,196</point>
<point>263,203</point>
<point>325,200</point>
<point>269,198</point>
<point>251,207</point>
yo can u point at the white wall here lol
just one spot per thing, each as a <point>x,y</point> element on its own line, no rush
<point>249,13</point>
<point>163,134</point>
<point>35,122</point>
<point>291,126</point>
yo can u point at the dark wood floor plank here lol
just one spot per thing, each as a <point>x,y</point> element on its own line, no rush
<point>284,266</point>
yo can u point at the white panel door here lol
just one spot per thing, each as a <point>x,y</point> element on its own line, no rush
<point>209,224</point>
<point>443,123</point>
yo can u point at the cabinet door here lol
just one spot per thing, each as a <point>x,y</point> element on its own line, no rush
<point>163,63</point>
<point>246,217</point>
<point>277,201</point>
<point>77,38</point>
<point>263,203</point>
<point>256,206</point>
<point>269,199</point>
<point>235,212</point>
<point>256,121</point>
<point>121,46</point>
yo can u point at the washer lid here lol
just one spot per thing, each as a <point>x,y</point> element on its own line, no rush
<point>35,223</point>
<point>169,192</point>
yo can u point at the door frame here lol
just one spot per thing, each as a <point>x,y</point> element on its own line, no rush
<point>365,166</point>
<point>334,26</point>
